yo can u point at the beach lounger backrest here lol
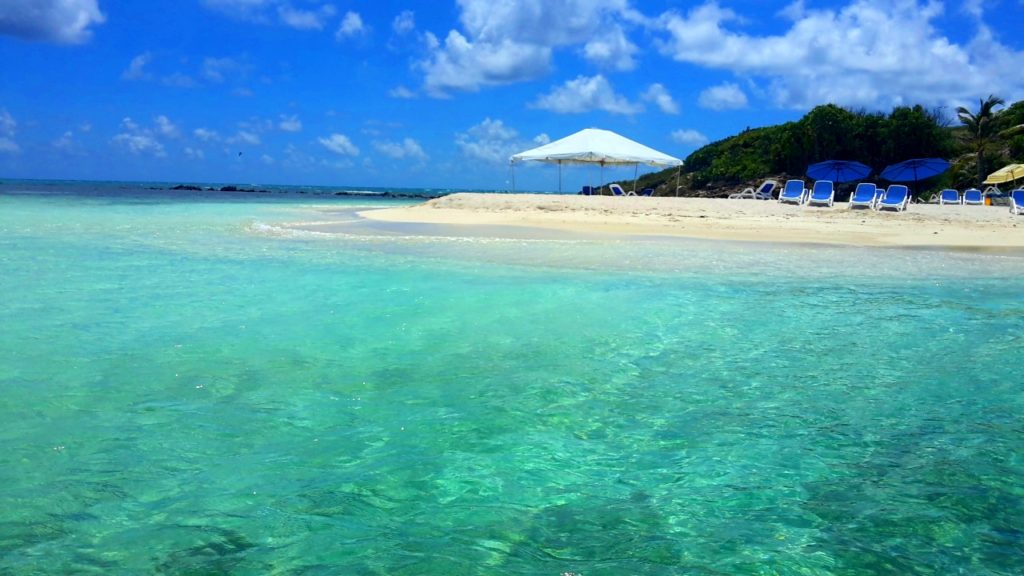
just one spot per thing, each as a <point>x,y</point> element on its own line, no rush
<point>896,196</point>
<point>823,189</point>
<point>647,192</point>
<point>617,190</point>
<point>864,193</point>
<point>767,188</point>
<point>949,196</point>
<point>973,196</point>
<point>793,192</point>
<point>1017,201</point>
<point>587,191</point>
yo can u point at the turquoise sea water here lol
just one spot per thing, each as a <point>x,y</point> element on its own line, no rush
<point>189,387</point>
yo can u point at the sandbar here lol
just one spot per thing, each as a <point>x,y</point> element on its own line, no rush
<point>921,225</point>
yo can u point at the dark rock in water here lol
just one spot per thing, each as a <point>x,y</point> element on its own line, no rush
<point>230,189</point>
<point>187,187</point>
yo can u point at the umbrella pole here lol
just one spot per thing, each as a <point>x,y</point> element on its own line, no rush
<point>601,189</point>
<point>512,167</point>
<point>679,172</point>
<point>636,171</point>
<point>559,176</point>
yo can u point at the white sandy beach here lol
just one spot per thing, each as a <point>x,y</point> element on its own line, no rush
<point>922,225</point>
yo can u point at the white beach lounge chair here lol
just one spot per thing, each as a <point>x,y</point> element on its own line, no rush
<point>896,197</point>
<point>1017,201</point>
<point>766,191</point>
<point>822,194</point>
<point>949,196</point>
<point>618,191</point>
<point>793,193</point>
<point>973,196</point>
<point>865,195</point>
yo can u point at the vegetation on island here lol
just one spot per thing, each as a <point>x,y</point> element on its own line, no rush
<point>984,140</point>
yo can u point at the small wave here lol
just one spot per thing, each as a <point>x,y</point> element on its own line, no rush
<point>264,229</point>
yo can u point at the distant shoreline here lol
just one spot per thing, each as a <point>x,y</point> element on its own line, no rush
<point>982,228</point>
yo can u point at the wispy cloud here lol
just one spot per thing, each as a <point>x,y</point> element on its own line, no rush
<point>407,148</point>
<point>660,96</point>
<point>339,144</point>
<point>137,67</point>
<point>351,26</point>
<point>139,140</point>
<point>8,128</point>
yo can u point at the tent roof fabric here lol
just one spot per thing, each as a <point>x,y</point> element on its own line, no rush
<point>596,146</point>
<point>1007,173</point>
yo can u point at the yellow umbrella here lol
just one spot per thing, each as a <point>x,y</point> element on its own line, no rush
<point>1007,173</point>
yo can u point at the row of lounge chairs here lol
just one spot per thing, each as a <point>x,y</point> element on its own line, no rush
<point>970,196</point>
<point>895,197</point>
<point>823,193</point>
<point>616,191</point>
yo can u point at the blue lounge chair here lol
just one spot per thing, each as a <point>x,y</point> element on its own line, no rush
<point>896,197</point>
<point>618,191</point>
<point>587,191</point>
<point>766,191</point>
<point>823,193</point>
<point>865,195</point>
<point>647,192</point>
<point>949,196</point>
<point>794,192</point>
<point>1017,201</point>
<point>973,196</point>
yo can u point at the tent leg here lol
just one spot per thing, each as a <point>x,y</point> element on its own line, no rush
<point>559,176</point>
<point>636,175</point>
<point>679,172</point>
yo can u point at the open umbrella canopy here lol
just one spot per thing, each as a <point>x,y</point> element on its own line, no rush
<point>914,170</point>
<point>838,170</point>
<point>1007,173</point>
<point>596,146</point>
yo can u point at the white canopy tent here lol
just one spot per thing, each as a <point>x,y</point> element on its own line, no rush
<point>594,146</point>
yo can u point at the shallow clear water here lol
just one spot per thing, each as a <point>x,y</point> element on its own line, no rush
<point>188,387</point>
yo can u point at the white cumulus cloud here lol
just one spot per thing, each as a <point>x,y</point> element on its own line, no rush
<point>660,96</point>
<point>351,26</point>
<point>62,21</point>
<point>404,23</point>
<point>508,41</point>
<point>139,140</point>
<point>873,53</point>
<point>407,148</point>
<point>585,94</point>
<point>305,19</point>
<point>726,96</point>
<point>137,67</point>
<point>691,138</point>
<point>340,145</point>
<point>493,141</point>
<point>611,49</point>
<point>165,127</point>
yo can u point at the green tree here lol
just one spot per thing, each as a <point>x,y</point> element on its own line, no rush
<point>980,127</point>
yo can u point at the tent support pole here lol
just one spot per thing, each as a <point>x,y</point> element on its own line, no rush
<point>512,167</point>
<point>679,172</point>
<point>559,176</point>
<point>636,175</point>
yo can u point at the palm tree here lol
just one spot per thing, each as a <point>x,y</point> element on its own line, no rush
<point>979,127</point>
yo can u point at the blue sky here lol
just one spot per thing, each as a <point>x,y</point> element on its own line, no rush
<point>439,93</point>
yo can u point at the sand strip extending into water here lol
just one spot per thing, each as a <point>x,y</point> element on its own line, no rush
<point>924,225</point>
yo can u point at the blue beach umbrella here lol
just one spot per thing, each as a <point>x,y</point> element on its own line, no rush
<point>914,170</point>
<point>838,170</point>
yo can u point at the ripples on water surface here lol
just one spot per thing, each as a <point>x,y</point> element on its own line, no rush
<point>187,387</point>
